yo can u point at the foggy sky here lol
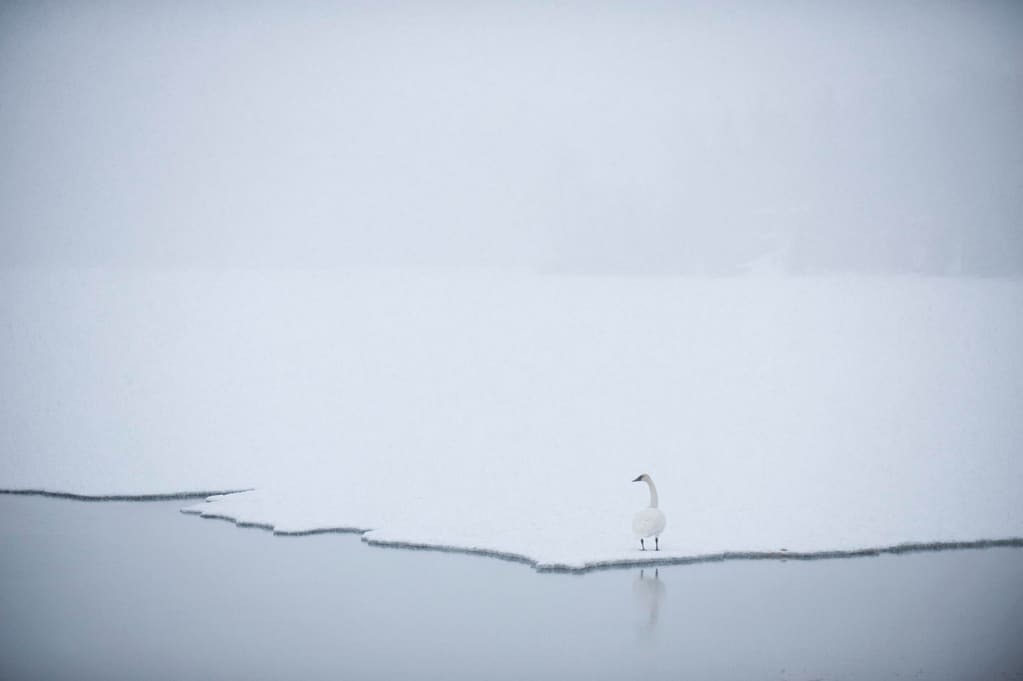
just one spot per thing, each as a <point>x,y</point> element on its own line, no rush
<point>641,137</point>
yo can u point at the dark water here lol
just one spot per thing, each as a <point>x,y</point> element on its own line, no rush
<point>122,590</point>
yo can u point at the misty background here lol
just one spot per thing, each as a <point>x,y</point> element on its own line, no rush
<point>568,137</point>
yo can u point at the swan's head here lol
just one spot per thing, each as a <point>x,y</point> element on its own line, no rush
<point>642,478</point>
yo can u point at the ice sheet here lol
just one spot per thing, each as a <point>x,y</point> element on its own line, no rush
<point>508,413</point>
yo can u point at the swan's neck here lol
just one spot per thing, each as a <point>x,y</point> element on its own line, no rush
<point>653,492</point>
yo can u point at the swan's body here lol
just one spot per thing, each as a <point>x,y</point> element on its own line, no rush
<point>650,521</point>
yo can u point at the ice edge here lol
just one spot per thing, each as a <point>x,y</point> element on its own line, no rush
<point>617,563</point>
<point>622,563</point>
<point>162,496</point>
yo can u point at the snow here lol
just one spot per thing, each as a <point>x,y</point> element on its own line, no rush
<point>508,413</point>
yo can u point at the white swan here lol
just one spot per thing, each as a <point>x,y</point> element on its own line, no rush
<point>650,521</point>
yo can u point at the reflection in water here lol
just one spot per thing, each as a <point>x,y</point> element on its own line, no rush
<point>112,591</point>
<point>649,592</point>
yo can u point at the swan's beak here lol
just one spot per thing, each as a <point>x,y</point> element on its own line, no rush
<point>638,478</point>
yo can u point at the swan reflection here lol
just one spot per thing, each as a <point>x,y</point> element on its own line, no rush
<point>649,592</point>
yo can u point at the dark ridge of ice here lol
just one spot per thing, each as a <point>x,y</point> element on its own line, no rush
<point>167,496</point>
<point>911,547</point>
<point>488,553</point>
<point>323,530</point>
<point>269,527</point>
<point>539,566</point>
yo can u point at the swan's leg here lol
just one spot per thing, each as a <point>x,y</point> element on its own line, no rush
<point>642,546</point>
<point>657,543</point>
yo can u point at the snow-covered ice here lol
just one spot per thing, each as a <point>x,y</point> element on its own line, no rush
<point>508,413</point>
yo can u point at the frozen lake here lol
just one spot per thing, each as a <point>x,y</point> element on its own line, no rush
<point>822,407</point>
<point>120,590</point>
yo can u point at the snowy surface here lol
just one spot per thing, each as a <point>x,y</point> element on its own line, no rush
<point>508,413</point>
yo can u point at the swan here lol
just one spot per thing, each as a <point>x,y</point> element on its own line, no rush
<point>650,521</point>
